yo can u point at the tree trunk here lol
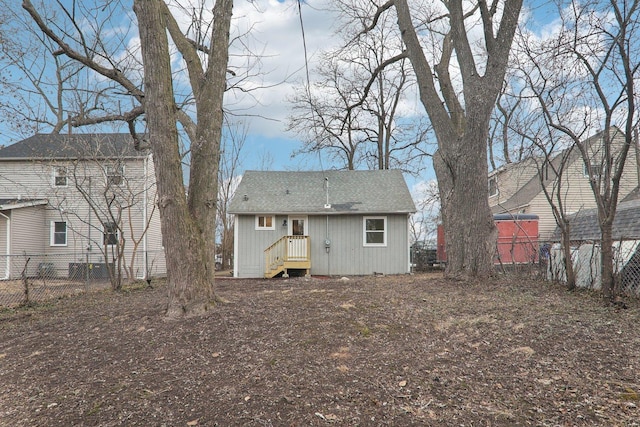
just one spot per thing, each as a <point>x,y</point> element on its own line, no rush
<point>606,259</point>
<point>470,233</point>
<point>570,274</point>
<point>462,128</point>
<point>205,151</point>
<point>190,285</point>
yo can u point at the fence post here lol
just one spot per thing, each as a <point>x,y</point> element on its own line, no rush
<point>86,279</point>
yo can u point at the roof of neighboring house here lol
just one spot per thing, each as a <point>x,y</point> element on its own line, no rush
<point>364,191</point>
<point>8,204</point>
<point>626,225</point>
<point>523,196</point>
<point>73,146</point>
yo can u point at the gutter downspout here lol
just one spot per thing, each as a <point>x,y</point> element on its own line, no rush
<point>7,270</point>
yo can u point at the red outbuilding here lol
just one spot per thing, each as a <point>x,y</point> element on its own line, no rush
<point>517,239</point>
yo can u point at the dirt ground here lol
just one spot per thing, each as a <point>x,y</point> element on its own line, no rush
<point>411,350</point>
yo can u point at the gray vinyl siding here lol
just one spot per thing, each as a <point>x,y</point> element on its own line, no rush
<point>3,235</point>
<point>156,262</point>
<point>5,263</point>
<point>250,260</point>
<point>347,254</point>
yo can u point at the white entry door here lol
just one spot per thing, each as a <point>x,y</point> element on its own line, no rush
<point>297,240</point>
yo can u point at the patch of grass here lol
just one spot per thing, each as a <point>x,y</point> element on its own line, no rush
<point>630,394</point>
<point>94,409</point>
<point>364,330</point>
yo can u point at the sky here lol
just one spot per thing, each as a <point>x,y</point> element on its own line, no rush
<point>276,33</point>
<point>278,25</point>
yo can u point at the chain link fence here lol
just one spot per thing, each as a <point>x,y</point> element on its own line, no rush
<point>31,278</point>
<point>586,260</point>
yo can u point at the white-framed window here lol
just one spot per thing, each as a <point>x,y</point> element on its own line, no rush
<point>115,174</point>
<point>60,178</point>
<point>58,233</point>
<point>265,222</point>
<point>110,234</point>
<point>493,187</point>
<point>374,231</point>
<point>596,170</point>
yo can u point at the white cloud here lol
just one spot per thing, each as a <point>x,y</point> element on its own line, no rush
<point>276,35</point>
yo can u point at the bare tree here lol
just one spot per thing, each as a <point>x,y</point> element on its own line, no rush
<point>506,144</point>
<point>115,198</point>
<point>45,91</point>
<point>458,86</point>
<point>188,224</point>
<point>230,165</point>
<point>552,161</point>
<point>423,224</point>
<point>584,81</point>
<point>358,123</point>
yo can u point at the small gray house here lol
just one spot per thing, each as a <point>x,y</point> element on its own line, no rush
<point>321,223</point>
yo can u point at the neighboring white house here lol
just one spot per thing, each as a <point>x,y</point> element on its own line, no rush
<point>66,200</point>
<point>517,188</point>
<point>321,223</point>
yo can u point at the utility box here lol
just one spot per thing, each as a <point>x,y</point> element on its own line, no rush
<point>92,270</point>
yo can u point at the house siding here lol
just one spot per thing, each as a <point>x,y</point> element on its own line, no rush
<point>511,179</point>
<point>33,179</point>
<point>27,229</point>
<point>156,262</point>
<point>577,194</point>
<point>347,255</point>
<point>250,259</point>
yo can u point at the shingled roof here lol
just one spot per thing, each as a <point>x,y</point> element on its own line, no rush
<point>74,146</point>
<point>626,225</point>
<point>370,191</point>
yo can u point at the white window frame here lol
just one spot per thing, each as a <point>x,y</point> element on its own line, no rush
<point>365,231</point>
<point>106,233</point>
<point>114,170</point>
<point>56,175</point>
<point>495,187</point>
<point>52,241</point>
<point>264,226</point>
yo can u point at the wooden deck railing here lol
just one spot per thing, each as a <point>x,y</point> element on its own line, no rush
<point>288,252</point>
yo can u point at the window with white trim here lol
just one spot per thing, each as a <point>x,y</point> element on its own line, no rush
<point>110,234</point>
<point>115,174</point>
<point>265,222</point>
<point>58,233</point>
<point>60,176</point>
<point>375,231</point>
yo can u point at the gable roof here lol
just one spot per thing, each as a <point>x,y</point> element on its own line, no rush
<point>525,194</point>
<point>364,191</point>
<point>73,146</point>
